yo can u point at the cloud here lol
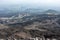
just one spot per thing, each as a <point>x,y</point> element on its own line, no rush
<point>31,2</point>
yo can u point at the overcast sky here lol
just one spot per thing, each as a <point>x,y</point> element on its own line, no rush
<point>42,3</point>
<point>30,1</point>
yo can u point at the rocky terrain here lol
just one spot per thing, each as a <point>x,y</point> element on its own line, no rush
<point>47,25</point>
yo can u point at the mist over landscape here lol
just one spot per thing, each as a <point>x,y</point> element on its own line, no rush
<point>21,5</point>
<point>29,20</point>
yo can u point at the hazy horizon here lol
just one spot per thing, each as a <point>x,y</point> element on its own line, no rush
<point>41,4</point>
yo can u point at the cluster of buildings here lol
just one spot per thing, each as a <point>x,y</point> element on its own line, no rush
<point>13,19</point>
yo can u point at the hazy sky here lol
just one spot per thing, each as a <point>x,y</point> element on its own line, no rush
<point>51,2</point>
<point>43,3</point>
